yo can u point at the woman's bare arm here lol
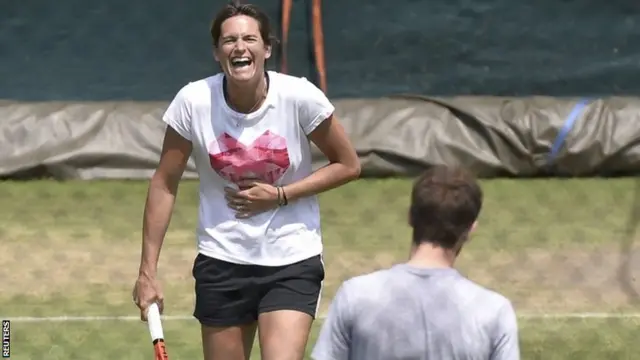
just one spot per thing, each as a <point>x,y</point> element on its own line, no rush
<point>344,165</point>
<point>161,196</point>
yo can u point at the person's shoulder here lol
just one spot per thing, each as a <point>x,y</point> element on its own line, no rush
<point>199,87</point>
<point>366,283</point>
<point>293,87</point>
<point>286,79</point>
<point>491,301</point>
<point>494,310</point>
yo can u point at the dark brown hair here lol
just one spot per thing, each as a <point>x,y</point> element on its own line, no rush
<point>235,8</point>
<point>445,202</point>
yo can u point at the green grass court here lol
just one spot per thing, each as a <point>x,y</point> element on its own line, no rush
<point>552,246</point>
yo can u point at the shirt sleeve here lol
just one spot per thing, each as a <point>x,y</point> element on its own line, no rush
<point>505,340</point>
<point>178,114</point>
<point>313,106</point>
<point>334,340</point>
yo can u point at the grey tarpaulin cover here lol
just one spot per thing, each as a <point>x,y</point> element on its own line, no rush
<point>394,136</point>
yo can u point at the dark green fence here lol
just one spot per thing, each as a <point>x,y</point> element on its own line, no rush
<point>144,49</point>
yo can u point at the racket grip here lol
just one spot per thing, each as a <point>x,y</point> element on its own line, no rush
<point>154,322</point>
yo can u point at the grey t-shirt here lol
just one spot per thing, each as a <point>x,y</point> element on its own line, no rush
<point>409,313</point>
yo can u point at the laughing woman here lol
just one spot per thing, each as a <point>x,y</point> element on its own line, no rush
<point>259,262</point>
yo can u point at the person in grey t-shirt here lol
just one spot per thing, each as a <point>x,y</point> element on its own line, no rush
<point>424,309</point>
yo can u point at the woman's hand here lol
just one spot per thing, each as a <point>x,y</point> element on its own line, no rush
<point>252,198</point>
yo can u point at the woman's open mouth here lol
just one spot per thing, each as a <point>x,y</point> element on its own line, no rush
<point>241,62</point>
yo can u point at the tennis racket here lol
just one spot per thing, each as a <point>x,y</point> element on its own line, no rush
<point>157,335</point>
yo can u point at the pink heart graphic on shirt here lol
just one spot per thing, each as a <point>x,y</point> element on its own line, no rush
<point>266,159</point>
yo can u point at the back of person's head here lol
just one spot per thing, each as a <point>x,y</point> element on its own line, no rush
<point>445,204</point>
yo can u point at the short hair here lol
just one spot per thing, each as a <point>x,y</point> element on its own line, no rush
<point>445,202</point>
<point>235,8</point>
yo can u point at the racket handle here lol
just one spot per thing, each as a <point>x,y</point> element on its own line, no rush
<point>154,322</point>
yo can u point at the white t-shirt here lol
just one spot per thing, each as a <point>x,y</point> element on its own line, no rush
<point>271,144</point>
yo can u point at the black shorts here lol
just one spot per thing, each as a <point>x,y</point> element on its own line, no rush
<point>230,294</point>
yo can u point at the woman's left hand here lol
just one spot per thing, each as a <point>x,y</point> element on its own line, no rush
<point>252,198</point>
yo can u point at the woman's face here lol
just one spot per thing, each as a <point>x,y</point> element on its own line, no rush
<point>241,50</point>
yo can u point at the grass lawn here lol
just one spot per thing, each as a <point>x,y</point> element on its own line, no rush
<point>552,246</point>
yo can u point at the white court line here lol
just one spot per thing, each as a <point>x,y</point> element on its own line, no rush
<point>586,315</point>
<point>65,318</point>
<point>534,316</point>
